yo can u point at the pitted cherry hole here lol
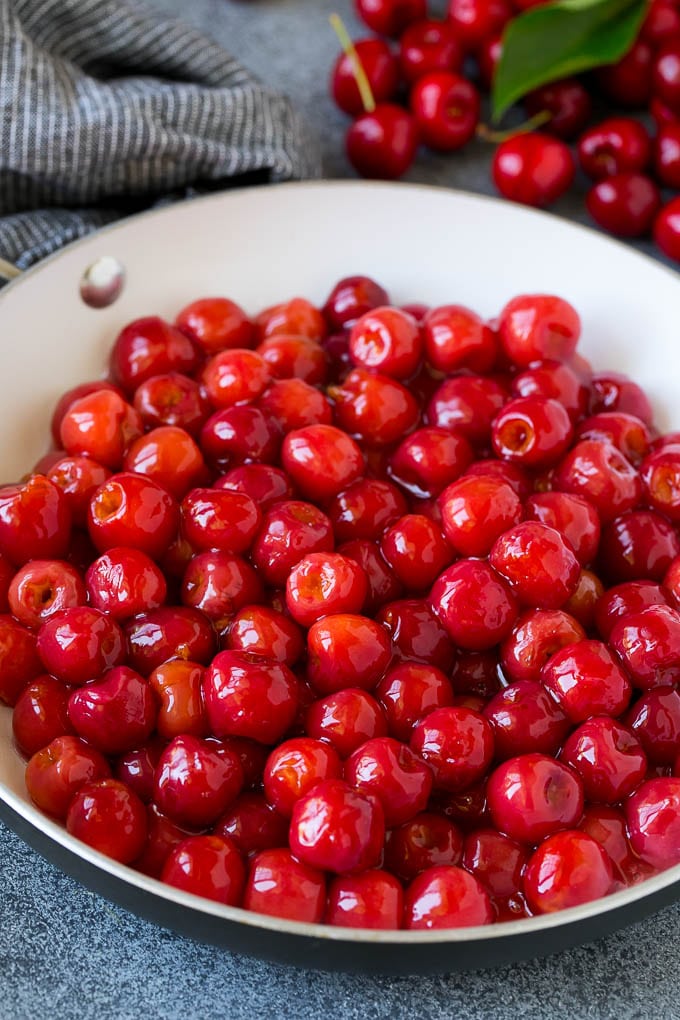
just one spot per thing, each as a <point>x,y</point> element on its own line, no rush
<point>102,282</point>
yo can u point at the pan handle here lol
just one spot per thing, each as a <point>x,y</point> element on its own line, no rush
<point>8,271</point>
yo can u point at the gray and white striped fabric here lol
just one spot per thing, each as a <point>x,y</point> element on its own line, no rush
<point>105,108</point>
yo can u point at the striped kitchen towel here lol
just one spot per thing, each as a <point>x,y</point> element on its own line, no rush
<point>106,108</point>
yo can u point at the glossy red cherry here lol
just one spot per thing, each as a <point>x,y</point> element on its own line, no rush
<point>238,434</point>
<point>19,659</point>
<point>137,768</point>
<point>532,431</point>
<point>374,899</point>
<point>468,404</point>
<point>167,633</point>
<point>346,719</point>
<point>172,399</point>
<point>296,317</point>
<point>476,510</point>
<point>148,347</point>
<point>123,582</point>
<point>215,324</point>
<point>648,644</point>
<point>335,828</point>
<point>538,564</point>
<point>294,357</point>
<point>536,636</point>
<point>557,381</point>
<point>264,631</point>
<point>351,298</point>
<point>417,635</point>
<point>446,109</point>
<point>475,20</point>
<point>667,229</point>
<point>455,337</point>
<point>79,644</point>
<point>666,73</point>
<point>281,886</point>
<point>416,550</point>
<point>568,103</point>
<point>177,686</point>
<point>457,744</point>
<point>42,588</point>
<point>427,46</point>
<point>625,600</point>
<point>639,545</point>
<point>525,719</point>
<point>394,775</point>
<point>653,817</point>
<point>133,511</point>
<point>382,143</point>
<point>572,516</point>
<point>533,796</point>
<point>365,508</point>
<point>600,473</point>
<point>162,837</point>
<point>40,714</point>
<point>196,780</point>
<point>296,766</point>
<point>537,327</point>
<point>35,521</point>
<point>321,460</point>
<point>386,340</point>
<point>568,869</point>
<point>533,168</point>
<point>613,391</point>
<point>667,150</point>
<point>116,713</point>
<point>290,530</point>
<point>662,22</point>
<point>496,860</point>
<point>430,459</point>
<point>626,432</point>
<point>655,721</point>
<point>383,586</point>
<point>660,473</point>
<point>474,603</point>
<point>585,679</point>
<point>409,692</point>
<point>423,842</point>
<point>615,146</point>
<point>381,68</point>
<point>323,583</point>
<point>235,376</point>
<point>208,866</point>
<point>373,407</point>
<point>253,824</point>
<point>346,650</point>
<point>624,204</point>
<point>56,772</point>
<point>446,897</point>
<point>220,519</point>
<point>608,757</point>
<point>109,817</point>
<point>78,477</point>
<point>249,696</point>
<point>390,17</point>
<point>68,398</point>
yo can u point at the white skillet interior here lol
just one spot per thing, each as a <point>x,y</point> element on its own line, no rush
<point>262,245</point>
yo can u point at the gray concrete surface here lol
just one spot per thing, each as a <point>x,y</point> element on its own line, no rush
<point>67,953</point>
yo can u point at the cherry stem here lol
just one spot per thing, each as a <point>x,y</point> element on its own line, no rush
<point>496,137</point>
<point>350,52</point>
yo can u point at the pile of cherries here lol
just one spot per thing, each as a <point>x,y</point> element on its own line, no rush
<point>362,614</point>
<point>427,90</point>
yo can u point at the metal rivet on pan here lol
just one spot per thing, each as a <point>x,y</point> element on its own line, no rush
<point>102,282</point>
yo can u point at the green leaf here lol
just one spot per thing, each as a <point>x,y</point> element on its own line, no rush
<point>560,39</point>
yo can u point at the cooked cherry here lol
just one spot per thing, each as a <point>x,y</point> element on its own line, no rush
<point>533,796</point>
<point>249,696</point>
<point>281,886</point>
<point>196,780</point>
<point>374,899</point>
<point>648,644</point>
<point>335,828</point>
<point>56,773</point>
<point>208,866</point>
<point>79,644</point>
<point>346,650</point>
<point>476,510</point>
<point>585,679</point>
<point>394,775</point>
<point>653,817</point>
<point>608,758</point>
<point>40,714</point>
<point>148,347</point>
<point>568,869</point>
<point>214,324</point>
<point>457,743</point>
<point>446,897</point>
<point>525,719</point>
<point>474,603</point>
<point>109,817</point>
